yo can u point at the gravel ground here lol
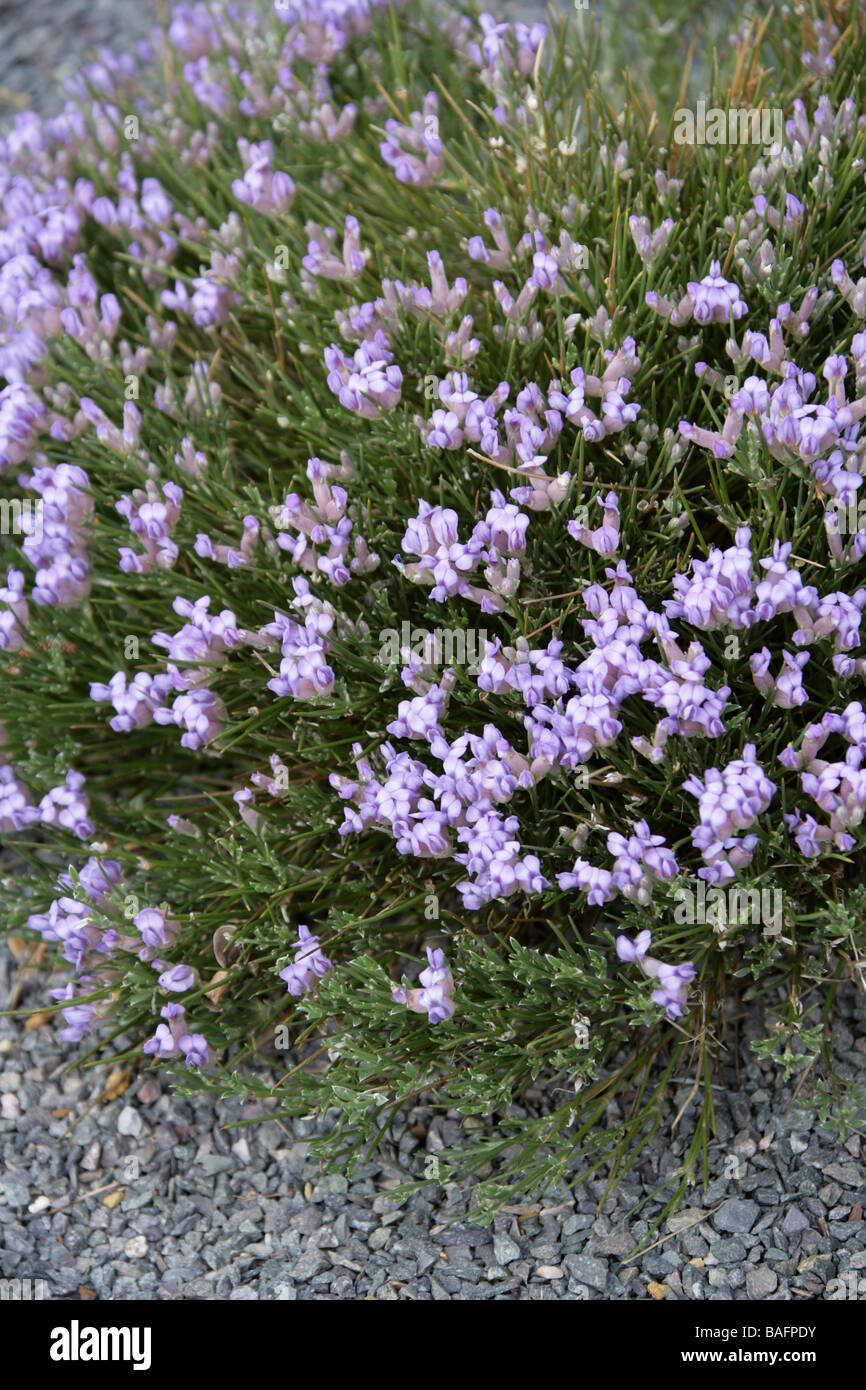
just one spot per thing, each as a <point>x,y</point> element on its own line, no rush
<point>44,41</point>
<point>150,1196</point>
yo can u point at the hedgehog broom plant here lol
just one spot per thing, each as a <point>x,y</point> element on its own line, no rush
<point>430,647</point>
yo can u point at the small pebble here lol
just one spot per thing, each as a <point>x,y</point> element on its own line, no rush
<point>129,1122</point>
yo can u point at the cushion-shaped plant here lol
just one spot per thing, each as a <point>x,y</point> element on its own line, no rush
<point>434,637</point>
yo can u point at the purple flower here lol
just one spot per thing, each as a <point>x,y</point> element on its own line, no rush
<point>67,807</point>
<point>598,884</point>
<point>177,978</point>
<point>673,981</point>
<point>716,299</point>
<point>195,1049</point>
<point>17,811</point>
<point>262,187</point>
<point>199,712</point>
<point>308,966</point>
<point>21,417</point>
<point>134,701</point>
<point>368,382</point>
<point>304,671</point>
<point>605,539</point>
<point>162,1044</point>
<point>97,877</point>
<point>156,932</point>
<point>634,950</point>
<point>322,259</point>
<point>15,614</point>
<point>80,1019</point>
<point>414,151</point>
<point>434,996</point>
<point>545,269</point>
<point>729,801</point>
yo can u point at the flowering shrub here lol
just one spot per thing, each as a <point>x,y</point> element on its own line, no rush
<point>445,541</point>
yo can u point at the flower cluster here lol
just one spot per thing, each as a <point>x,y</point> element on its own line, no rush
<point>415,151</point>
<point>72,923</point>
<point>369,381</point>
<point>444,562</point>
<point>671,980</point>
<point>728,802</point>
<point>838,788</point>
<point>173,1037</point>
<point>152,518</point>
<point>323,524</point>
<point>91,933</point>
<point>57,548</point>
<point>639,858</point>
<point>304,671</point>
<point>266,189</point>
<point>64,806</point>
<point>434,996</point>
<point>710,300</point>
<point>321,258</point>
<point>308,966</point>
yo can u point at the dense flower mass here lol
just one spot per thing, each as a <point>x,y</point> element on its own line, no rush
<point>410,555</point>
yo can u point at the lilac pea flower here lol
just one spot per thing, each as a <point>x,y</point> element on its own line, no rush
<point>162,1043</point>
<point>177,978</point>
<point>434,998</point>
<point>308,966</point>
<point>195,1049</point>
<point>636,950</point>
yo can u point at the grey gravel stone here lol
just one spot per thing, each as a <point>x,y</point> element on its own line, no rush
<point>309,1264</point>
<point>129,1122</point>
<point>505,1249</point>
<point>17,1194</point>
<point>729,1252</point>
<point>694,1245</point>
<point>845,1173</point>
<point>736,1215</point>
<point>217,1163</point>
<point>578,1222</point>
<point>761,1282</point>
<point>588,1270</point>
<point>693,1284</point>
<point>829,1194</point>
